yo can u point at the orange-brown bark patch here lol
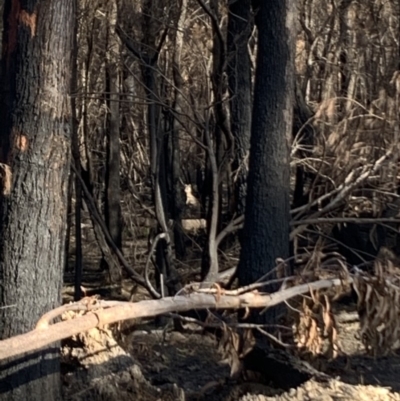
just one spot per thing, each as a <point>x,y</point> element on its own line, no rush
<point>20,141</point>
<point>29,20</point>
<point>5,179</point>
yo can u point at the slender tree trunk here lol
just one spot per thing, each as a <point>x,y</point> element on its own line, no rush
<point>35,144</point>
<point>113,188</point>
<point>240,25</point>
<point>150,77</point>
<point>266,228</point>
<point>178,202</point>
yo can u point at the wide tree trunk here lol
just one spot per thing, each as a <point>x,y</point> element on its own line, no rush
<point>266,228</point>
<point>35,146</point>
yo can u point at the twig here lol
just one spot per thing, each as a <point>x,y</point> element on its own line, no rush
<point>274,339</point>
<point>334,220</point>
<point>234,325</point>
<point>146,268</point>
<point>234,225</point>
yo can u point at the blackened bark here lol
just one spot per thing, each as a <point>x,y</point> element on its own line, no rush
<point>113,206</point>
<point>178,202</point>
<point>35,142</point>
<point>266,227</point>
<point>240,25</point>
<point>113,188</point>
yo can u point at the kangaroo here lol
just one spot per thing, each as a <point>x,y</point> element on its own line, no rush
<point>190,198</point>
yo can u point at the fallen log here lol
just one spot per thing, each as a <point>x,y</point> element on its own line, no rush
<point>100,313</point>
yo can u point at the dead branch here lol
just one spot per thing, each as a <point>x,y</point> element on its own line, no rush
<point>212,272</point>
<point>146,269</point>
<point>335,220</point>
<point>356,178</point>
<point>234,225</point>
<point>113,312</point>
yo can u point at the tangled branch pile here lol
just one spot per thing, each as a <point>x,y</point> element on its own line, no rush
<point>379,308</point>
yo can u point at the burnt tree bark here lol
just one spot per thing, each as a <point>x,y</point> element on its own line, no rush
<point>178,202</point>
<point>35,147</point>
<point>240,25</point>
<point>113,214</point>
<point>266,228</point>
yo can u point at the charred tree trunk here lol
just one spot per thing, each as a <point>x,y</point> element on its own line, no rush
<point>178,202</point>
<point>112,213</point>
<point>35,144</point>
<point>222,134</point>
<point>266,227</point>
<point>240,25</point>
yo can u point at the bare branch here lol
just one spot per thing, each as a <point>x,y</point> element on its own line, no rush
<point>48,334</point>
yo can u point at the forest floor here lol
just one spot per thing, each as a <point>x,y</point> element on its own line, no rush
<point>146,362</point>
<point>142,361</point>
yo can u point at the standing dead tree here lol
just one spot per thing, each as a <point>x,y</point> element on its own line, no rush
<point>112,204</point>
